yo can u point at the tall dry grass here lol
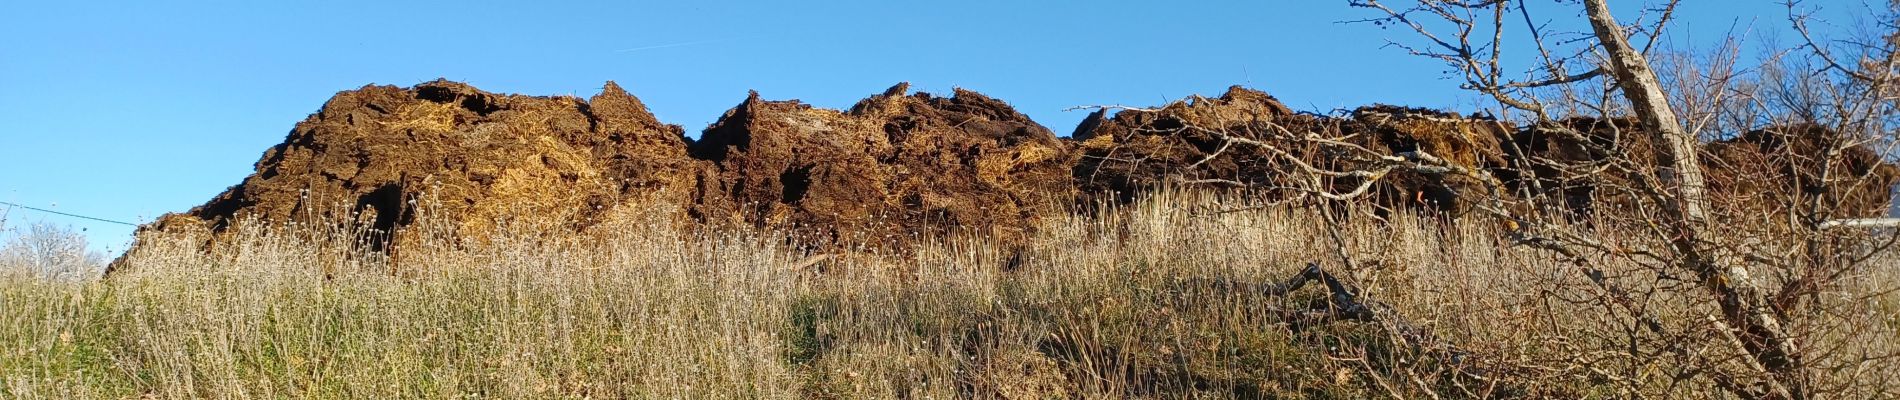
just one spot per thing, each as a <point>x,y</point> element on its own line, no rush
<point>1138,301</point>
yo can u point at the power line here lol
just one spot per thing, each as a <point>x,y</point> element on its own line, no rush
<point>67,214</point>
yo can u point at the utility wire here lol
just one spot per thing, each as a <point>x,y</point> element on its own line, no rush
<point>67,214</point>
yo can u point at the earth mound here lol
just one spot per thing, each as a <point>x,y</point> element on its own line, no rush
<point>1188,141</point>
<point>1570,164</point>
<point>1213,141</point>
<point>370,155</point>
<point>1592,166</point>
<point>1472,142</point>
<point>894,164</point>
<point>1757,170</point>
<point>899,164</point>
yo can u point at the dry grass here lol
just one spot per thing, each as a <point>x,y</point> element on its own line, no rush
<point>1125,303</point>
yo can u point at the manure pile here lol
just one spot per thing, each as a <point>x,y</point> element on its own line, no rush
<point>894,165</point>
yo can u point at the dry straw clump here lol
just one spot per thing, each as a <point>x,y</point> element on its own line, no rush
<point>1151,300</point>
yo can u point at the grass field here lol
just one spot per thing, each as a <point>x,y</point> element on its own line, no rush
<point>1135,302</point>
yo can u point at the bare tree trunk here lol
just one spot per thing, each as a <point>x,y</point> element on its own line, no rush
<point>1743,303</point>
<point>1644,91</point>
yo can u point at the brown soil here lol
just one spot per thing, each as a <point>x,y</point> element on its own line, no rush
<point>1749,175</point>
<point>1134,150</point>
<point>894,164</point>
<point>1749,169</point>
<point>1466,141</point>
<point>899,164</point>
<point>1567,163</point>
<point>1183,143</point>
<point>482,158</point>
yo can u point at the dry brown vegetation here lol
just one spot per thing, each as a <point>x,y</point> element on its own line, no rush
<point>1159,299</point>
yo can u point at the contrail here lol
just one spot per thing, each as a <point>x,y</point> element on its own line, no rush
<point>662,46</point>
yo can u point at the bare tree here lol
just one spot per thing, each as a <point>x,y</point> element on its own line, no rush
<point>1743,303</point>
<point>1675,181</point>
<point>51,252</point>
<point>1730,189</point>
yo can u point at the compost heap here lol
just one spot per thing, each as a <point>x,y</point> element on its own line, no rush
<point>898,165</point>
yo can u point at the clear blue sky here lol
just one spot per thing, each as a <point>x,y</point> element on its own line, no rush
<point>128,110</point>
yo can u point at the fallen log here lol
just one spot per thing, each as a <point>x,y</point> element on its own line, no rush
<point>1345,302</point>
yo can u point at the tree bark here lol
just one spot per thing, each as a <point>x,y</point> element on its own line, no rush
<point>1743,302</point>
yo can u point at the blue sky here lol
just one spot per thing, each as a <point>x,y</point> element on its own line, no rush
<point>128,110</point>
